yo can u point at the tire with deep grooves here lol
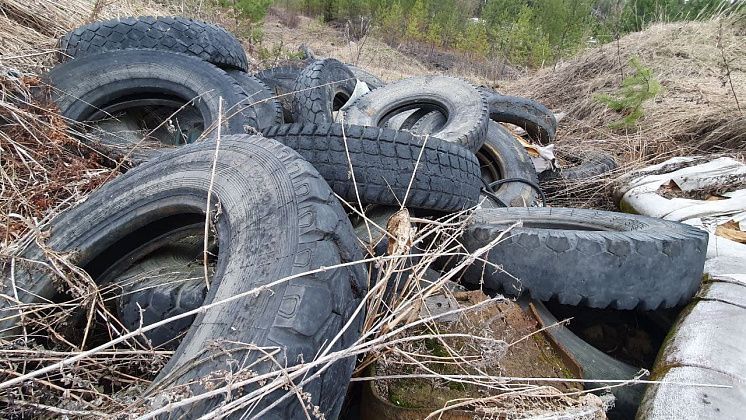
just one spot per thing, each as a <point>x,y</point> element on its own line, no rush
<point>277,218</point>
<point>267,108</point>
<point>535,118</point>
<point>590,257</point>
<point>281,81</point>
<point>464,105</point>
<point>383,161</point>
<point>162,285</point>
<point>321,88</point>
<point>84,86</point>
<point>174,34</point>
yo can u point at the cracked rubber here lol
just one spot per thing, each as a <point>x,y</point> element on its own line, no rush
<point>174,34</point>
<point>535,118</point>
<point>464,105</point>
<point>275,217</point>
<point>595,258</point>
<point>500,157</point>
<point>281,81</point>
<point>267,108</point>
<point>322,88</point>
<point>383,160</point>
<point>591,164</point>
<point>86,85</point>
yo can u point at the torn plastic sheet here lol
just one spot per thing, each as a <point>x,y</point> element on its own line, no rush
<point>641,194</point>
<point>688,174</point>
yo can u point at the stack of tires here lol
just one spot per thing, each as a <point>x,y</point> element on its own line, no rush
<point>262,158</point>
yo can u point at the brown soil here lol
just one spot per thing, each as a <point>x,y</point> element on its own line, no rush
<point>526,354</point>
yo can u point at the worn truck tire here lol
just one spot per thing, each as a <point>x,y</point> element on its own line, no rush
<point>173,34</point>
<point>464,106</point>
<point>322,88</point>
<point>277,218</point>
<point>500,157</point>
<point>535,118</point>
<point>589,257</point>
<point>371,80</point>
<point>383,161</point>
<point>267,108</point>
<point>281,81</point>
<point>589,165</point>
<point>97,86</point>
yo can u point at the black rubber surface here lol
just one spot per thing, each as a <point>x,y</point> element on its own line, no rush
<point>96,86</point>
<point>174,34</point>
<point>500,157</point>
<point>535,118</point>
<point>281,81</point>
<point>267,108</point>
<point>322,88</point>
<point>383,160</point>
<point>464,106</point>
<point>503,157</point>
<point>592,164</point>
<point>588,257</point>
<point>167,283</point>
<point>277,218</point>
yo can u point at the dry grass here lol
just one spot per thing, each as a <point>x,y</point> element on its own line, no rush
<point>54,372</point>
<point>45,169</point>
<point>29,29</point>
<point>696,113</point>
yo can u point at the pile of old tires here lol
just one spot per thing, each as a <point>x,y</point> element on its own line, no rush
<point>267,159</point>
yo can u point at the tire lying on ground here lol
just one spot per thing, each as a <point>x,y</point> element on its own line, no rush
<point>383,161</point>
<point>173,34</point>
<point>591,164</point>
<point>322,88</point>
<point>281,81</point>
<point>500,157</point>
<point>149,82</point>
<point>589,257</point>
<point>464,106</point>
<point>277,218</point>
<point>535,118</point>
<point>267,108</point>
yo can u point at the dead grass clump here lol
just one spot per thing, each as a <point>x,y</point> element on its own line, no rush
<point>43,167</point>
<point>24,48</point>
<point>50,18</point>
<point>702,68</point>
<point>29,29</point>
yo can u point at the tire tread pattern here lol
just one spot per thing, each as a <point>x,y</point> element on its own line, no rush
<point>176,34</point>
